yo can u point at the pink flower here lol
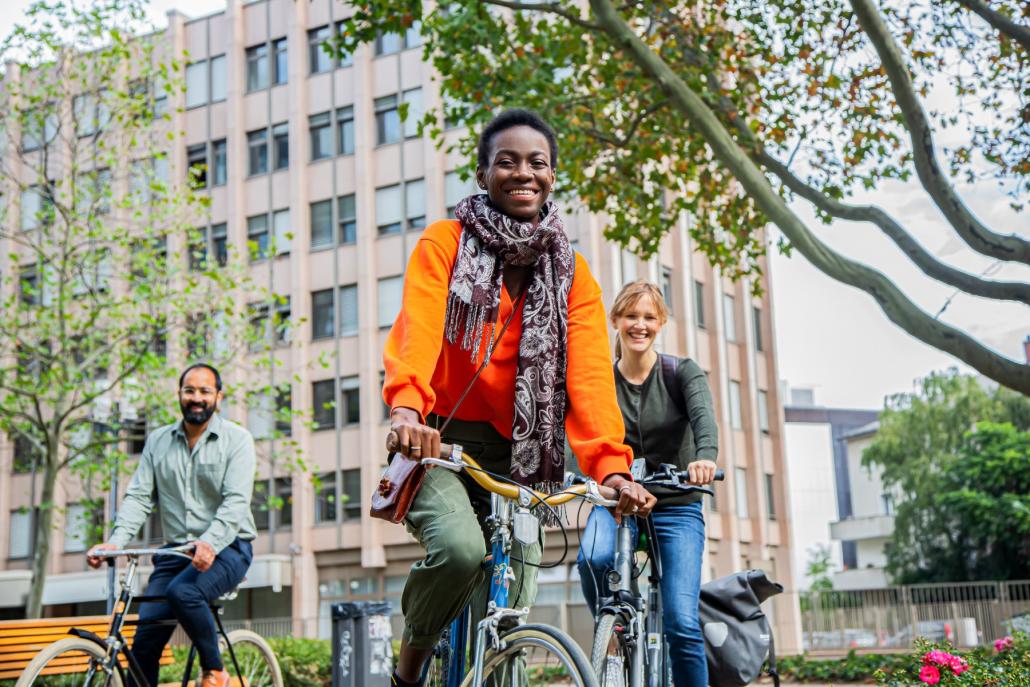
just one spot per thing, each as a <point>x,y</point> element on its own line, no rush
<point>930,675</point>
<point>1003,644</point>
<point>937,657</point>
<point>958,665</point>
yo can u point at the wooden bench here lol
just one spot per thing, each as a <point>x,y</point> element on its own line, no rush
<point>21,640</point>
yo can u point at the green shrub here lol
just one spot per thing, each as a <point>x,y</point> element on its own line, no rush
<point>938,665</point>
<point>303,662</point>
<point>853,668</point>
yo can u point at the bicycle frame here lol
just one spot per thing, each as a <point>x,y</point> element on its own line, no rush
<point>117,644</point>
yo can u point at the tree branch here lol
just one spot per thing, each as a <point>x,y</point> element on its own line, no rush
<point>931,266</point>
<point>550,7</point>
<point>972,231</point>
<point>999,21</point>
<point>626,138</point>
<point>891,300</point>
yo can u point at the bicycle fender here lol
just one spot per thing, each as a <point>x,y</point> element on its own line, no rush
<point>86,634</point>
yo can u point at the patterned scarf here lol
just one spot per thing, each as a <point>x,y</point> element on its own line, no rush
<point>489,241</point>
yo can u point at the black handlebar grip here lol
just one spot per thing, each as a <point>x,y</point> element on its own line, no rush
<point>720,475</point>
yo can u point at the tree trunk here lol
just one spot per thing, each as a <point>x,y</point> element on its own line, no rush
<point>43,524</point>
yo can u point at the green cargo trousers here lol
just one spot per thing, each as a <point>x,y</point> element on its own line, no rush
<point>447,518</point>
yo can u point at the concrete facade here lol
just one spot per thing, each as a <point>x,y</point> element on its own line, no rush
<point>345,223</point>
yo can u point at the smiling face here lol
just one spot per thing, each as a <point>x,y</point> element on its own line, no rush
<point>638,325</point>
<point>519,176</point>
<point>199,396</point>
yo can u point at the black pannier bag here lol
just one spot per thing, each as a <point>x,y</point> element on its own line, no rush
<point>738,639</point>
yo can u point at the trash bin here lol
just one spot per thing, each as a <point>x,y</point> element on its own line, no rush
<point>362,644</point>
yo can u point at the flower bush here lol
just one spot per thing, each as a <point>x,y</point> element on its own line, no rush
<point>936,665</point>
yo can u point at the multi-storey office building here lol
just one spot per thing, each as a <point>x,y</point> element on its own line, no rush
<point>307,154</point>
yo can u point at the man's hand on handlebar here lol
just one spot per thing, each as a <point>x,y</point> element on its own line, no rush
<point>415,439</point>
<point>701,472</point>
<point>95,561</point>
<point>633,498</point>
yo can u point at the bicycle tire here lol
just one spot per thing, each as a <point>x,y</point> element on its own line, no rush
<point>439,664</point>
<point>567,660</point>
<point>64,651</point>
<point>258,664</point>
<point>604,633</point>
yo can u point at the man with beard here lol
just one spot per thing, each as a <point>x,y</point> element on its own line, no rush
<point>201,471</point>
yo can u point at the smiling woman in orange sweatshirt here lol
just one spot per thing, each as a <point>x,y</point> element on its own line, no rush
<point>549,373</point>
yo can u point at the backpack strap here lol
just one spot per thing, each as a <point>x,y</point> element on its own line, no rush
<point>672,382</point>
<point>771,661</point>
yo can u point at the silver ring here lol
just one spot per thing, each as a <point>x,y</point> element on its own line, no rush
<point>416,448</point>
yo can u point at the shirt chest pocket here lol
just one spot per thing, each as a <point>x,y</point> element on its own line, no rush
<point>210,476</point>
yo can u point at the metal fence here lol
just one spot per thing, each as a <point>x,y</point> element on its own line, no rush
<point>964,613</point>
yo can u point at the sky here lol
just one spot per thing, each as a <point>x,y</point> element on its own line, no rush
<point>829,336</point>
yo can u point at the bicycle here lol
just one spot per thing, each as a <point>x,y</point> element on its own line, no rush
<point>505,646</point>
<point>249,654</point>
<point>626,622</point>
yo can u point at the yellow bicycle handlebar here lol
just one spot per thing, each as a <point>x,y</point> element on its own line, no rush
<point>511,491</point>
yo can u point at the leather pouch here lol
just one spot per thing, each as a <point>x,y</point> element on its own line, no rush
<point>397,488</point>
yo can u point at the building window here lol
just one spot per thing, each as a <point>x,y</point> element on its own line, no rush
<point>257,237</point>
<point>736,418</point>
<point>667,289</point>
<point>220,243</point>
<point>350,401</point>
<point>740,487</point>
<point>26,455</point>
<point>729,317</point>
<point>347,214</point>
<point>325,499</point>
<point>218,79</point>
<point>319,59</point>
<point>263,504</point>
<point>455,189</point>
<point>324,412</point>
<point>321,224</point>
<point>257,67</point>
<point>281,146</point>
<point>196,84</point>
<point>280,73</point>
<point>196,165</point>
<point>756,315</point>
<point>281,233</point>
<point>37,208</point>
<point>257,152</point>
<point>80,527</point>
<point>388,210</point>
<point>349,310</point>
<point>345,130</point>
<point>389,43</point>
<point>283,395</point>
<point>628,262</point>
<point>388,120</point>
<point>763,411</point>
<point>40,127</point>
<point>322,324</point>
<point>415,202</point>
<point>321,136</point>
<point>220,168</point>
<point>413,99</point>
<point>388,300</point>
<point>90,113</point>
<point>20,534</point>
<point>770,497</point>
<point>699,303</point>
<point>351,495</point>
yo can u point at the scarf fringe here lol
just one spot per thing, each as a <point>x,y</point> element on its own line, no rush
<point>550,516</point>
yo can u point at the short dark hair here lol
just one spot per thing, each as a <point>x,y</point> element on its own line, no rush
<point>204,366</point>
<point>507,120</point>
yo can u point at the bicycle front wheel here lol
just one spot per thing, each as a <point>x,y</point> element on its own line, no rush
<point>536,656</point>
<point>258,666</point>
<point>610,658</point>
<point>50,666</point>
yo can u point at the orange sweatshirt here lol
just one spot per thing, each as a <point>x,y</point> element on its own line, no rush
<point>426,373</point>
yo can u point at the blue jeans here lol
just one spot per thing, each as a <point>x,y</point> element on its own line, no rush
<point>681,543</point>
<point>189,593</point>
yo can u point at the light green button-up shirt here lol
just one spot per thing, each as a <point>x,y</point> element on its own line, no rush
<point>204,493</point>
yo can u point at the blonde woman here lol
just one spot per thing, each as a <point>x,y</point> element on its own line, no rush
<point>663,425</point>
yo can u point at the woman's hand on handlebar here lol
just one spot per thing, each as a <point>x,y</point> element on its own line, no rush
<point>633,498</point>
<point>415,439</point>
<point>701,472</point>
